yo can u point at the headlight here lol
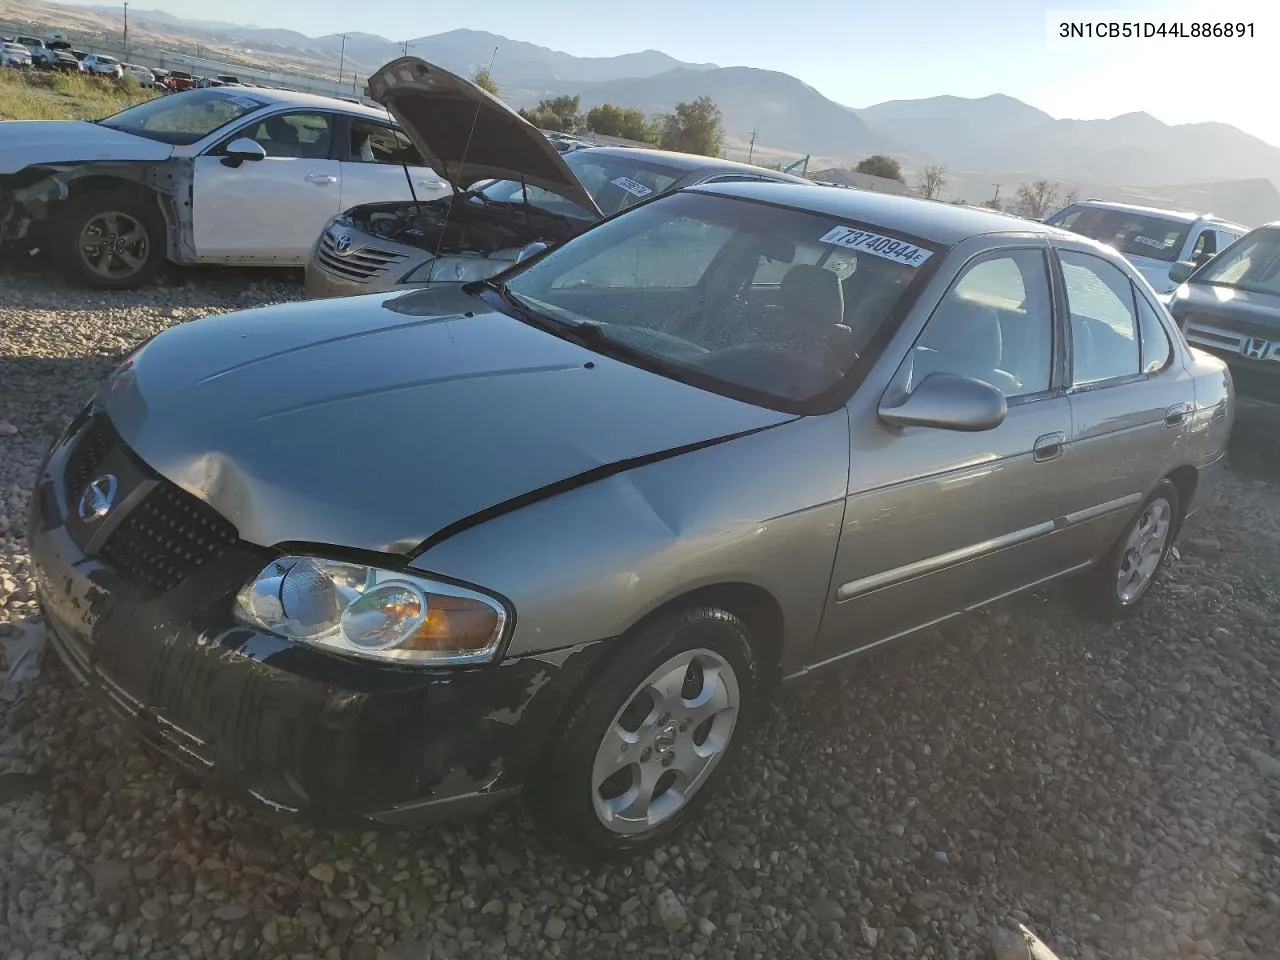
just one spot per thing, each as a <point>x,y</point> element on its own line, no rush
<point>456,270</point>
<point>376,614</point>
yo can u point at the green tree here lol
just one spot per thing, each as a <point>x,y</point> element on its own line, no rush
<point>626,122</point>
<point>881,165</point>
<point>484,80</point>
<point>562,114</point>
<point>696,127</point>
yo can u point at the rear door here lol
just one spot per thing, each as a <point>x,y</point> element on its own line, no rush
<point>1127,396</point>
<point>270,210</point>
<point>379,163</point>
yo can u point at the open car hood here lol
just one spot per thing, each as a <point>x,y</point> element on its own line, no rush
<point>466,135</point>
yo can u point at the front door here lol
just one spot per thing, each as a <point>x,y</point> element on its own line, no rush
<point>937,520</point>
<point>270,210</point>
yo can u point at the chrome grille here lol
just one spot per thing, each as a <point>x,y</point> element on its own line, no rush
<point>361,264</point>
<point>1206,333</point>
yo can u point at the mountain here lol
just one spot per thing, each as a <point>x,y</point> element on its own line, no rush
<point>952,130</point>
<point>786,112</point>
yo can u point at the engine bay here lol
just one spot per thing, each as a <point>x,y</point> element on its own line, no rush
<point>464,223</point>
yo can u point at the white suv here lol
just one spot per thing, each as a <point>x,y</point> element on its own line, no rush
<point>14,55</point>
<point>1152,240</point>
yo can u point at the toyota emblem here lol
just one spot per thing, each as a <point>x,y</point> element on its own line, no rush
<point>98,498</point>
<point>343,244</point>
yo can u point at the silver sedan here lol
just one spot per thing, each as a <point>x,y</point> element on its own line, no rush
<point>400,557</point>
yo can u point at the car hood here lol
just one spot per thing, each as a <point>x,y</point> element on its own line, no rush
<point>376,422</point>
<point>25,143</point>
<point>1240,307</point>
<point>468,135</point>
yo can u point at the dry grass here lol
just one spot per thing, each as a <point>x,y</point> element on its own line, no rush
<point>37,95</point>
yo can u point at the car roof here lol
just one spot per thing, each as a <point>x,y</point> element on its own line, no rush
<point>940,223</point>
<point>291,98</point>
<point>686,162</point>
<point>1180,215</point>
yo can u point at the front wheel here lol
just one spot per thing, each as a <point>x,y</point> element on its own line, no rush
<point>654,735</point>
<point>1115,588</point>
<point>113,240</point>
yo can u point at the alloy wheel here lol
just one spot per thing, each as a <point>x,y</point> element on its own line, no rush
<point>114,245</point>
<point>1144,550</point>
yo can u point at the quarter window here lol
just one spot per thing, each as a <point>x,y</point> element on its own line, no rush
<point>995,325</point>
<point>1104,329</point>
<point>375,143</point>
<point>1156,349</point>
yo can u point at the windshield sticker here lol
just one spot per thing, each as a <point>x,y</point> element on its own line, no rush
<point>1158,244</point>
<point>244,103</point>
<point>633,188</point>
<point>899,251</point>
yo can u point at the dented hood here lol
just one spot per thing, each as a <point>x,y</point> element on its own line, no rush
<point>468,135</point>
<point>26,143</point>
<point>374,422</point>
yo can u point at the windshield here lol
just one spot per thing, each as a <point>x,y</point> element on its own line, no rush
<point>771,305</point>
<point>1131,233</point>
<point>1252,263</point>
<point>107,60</point>
<point>183,118</point>
<point>614,183</point>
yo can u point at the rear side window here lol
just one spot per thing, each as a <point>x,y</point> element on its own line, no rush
<point>1104,325</point>
<point>375,143</point>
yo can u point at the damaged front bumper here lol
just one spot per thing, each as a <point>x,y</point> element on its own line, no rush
<point>255,715</point>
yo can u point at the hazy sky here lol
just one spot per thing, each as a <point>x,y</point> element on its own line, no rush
<point>859,52</point>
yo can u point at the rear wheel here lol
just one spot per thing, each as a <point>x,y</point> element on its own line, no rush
<point>113,240</point>
<point>650,741</point>
<point>1115,588</point>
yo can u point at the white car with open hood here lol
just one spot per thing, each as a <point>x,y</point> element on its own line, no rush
<point>224,176</point>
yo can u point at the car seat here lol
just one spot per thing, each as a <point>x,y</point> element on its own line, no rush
<point>963,338</point>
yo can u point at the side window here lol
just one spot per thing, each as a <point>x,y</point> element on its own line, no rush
<point>1104,330</point>
<point>673,256</point>
<point>1156,349</point>
<point>1205,245</point>
<point>306,136</point>
<point>375,143</point>
<point>995,325</point>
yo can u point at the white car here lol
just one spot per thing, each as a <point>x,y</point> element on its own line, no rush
<point>102,65</point>
<point>222,175</point>
<point>143,75</point>
<point>14,55</point>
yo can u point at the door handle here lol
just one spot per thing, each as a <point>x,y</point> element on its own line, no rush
<point>1176,414</point>
<point>321,178</point>
<point>1049,447</point>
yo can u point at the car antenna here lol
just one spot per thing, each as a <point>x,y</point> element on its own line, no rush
<point>462,164</point>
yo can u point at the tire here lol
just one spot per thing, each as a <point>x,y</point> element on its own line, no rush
<point>123,218</point>
<point>1103,594</point>
<point>570,794</point>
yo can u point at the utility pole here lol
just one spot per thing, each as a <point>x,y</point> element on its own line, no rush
<point>751,151</point>
<point>404,48</point>
<point>996,198</point>
<point>126,31</point>
<point>342,57</point>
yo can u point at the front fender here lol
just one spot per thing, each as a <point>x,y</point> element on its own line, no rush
<point>589,563</point>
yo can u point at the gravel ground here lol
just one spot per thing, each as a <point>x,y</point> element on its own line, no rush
<point>1117,789</point>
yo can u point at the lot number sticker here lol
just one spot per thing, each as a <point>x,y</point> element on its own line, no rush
<point>899,251</point>
<point>633,188</point>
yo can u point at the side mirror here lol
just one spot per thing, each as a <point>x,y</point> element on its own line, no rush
<point>1179,272</point>
<point>948,402</point>
<point>242,149</point>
